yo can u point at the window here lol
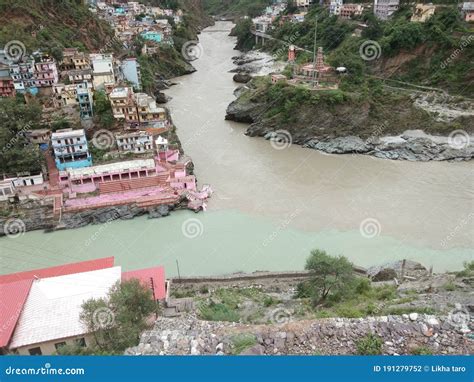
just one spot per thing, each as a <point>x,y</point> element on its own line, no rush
<point>81,342</point>
<point>59,345</point>
<point>35,351</point>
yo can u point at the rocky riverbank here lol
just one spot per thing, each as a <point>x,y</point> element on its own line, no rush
<point>38,214</point>
<point>407,334</point>
<point>412,126</point>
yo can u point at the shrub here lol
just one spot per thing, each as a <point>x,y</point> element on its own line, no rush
<point>218,312</point>
<point>242,342</point>
<point>371,344</point>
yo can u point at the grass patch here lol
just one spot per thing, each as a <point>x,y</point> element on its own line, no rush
<point>369,345</point>
<point>218,312</point>
<point>422,350</point>
<point>242,342</point>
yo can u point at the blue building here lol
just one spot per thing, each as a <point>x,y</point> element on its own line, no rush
<point>130,69</point>
<point>85,101</point>
<point>154,36</point>
<point>70,149</point>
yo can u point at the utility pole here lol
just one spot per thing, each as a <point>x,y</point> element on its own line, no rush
<point>177,266</point>
<point>314,50</point>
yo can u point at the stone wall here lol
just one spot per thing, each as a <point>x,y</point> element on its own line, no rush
<point>400,335</point>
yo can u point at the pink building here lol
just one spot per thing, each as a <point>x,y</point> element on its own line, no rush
<point>45,73</point>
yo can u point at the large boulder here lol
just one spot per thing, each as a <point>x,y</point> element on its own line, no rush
<point>242,78</point>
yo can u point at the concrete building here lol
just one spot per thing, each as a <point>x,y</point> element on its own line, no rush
<point>348,11</point>
<point>305,3</point>
<point>22,74</point>
<point>50,317</point>
<point>335,7</point>
<point>70,149</point>
<point>102,70</point>
<point>40,137</point>
<point>123,105</point>
<point>152,35</point>
<point>467,11</point>
<point>7,86</point>
<point>45,72</point>
<point>423,12</point>
<point>149,114</point>
<point>134,169</point>
<point>130,70</point>
<point>136,142</point>
<point>85,100</point>
<point>64,95</point>
<point>74,60</point>
<point>383,9</point>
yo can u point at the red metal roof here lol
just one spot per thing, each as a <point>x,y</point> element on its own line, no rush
<point>60,270</point>
<point>12,298</point>
<point>157,274</point>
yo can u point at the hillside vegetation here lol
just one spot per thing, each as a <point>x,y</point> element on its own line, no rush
<point>52,25</point>
<point>235,8</point>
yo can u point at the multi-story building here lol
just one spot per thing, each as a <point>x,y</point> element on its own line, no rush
<point>304,3</point>
<point>467,11</point>
<point>74,60</point>
<point>7,87</point>
<point>384,9</point>
<point>347,11</point>
<point>77,76</point>
<point>149,114</point>
<point>136,142</point>
<point>102,69</point>
<point>85,100</point>
<point>123,105</point>
<point>130,70</point>
<point>423,12</point>
<point>70,149</point>
<point>152,35</point>
<point>45,72</point>
<point>64,95</point>
<point>335,7</point>
<point>22,74</point>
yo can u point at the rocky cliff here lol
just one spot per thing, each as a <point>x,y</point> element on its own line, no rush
<point>416,127</point>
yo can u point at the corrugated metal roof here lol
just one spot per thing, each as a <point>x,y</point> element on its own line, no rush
<point>53,307</point>
<point>12,299</point>
<point>60,270</point>
<point>157,274</point>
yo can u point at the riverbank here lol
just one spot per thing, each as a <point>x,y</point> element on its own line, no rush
<point>415,313</point>
<point>398,125</point>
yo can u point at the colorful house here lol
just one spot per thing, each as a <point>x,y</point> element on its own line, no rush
<point>85,100</point>
<point>41,308</point>
<point>70,149</point>
<point>155,36</point>
<point>130,69</point>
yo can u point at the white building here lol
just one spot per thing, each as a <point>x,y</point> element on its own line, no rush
<point>335,7</point>
<point>51,315</point>
<point>137,142</point>
<point>384,9</point>
<point>102,70</point>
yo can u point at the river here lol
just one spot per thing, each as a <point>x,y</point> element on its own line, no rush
<point>272,206</point>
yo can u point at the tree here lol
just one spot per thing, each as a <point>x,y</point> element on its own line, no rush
<point>118,320</point>
<point>103,109</point>
<point>328,276</point>
<point>16,153</point>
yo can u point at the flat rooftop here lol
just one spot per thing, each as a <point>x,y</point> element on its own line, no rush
<point>133,165</point>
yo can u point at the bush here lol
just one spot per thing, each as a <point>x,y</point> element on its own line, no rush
<point>218,312</point>
<point>242,342</point>
<point>330,276</point>
<point>371,344</point>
